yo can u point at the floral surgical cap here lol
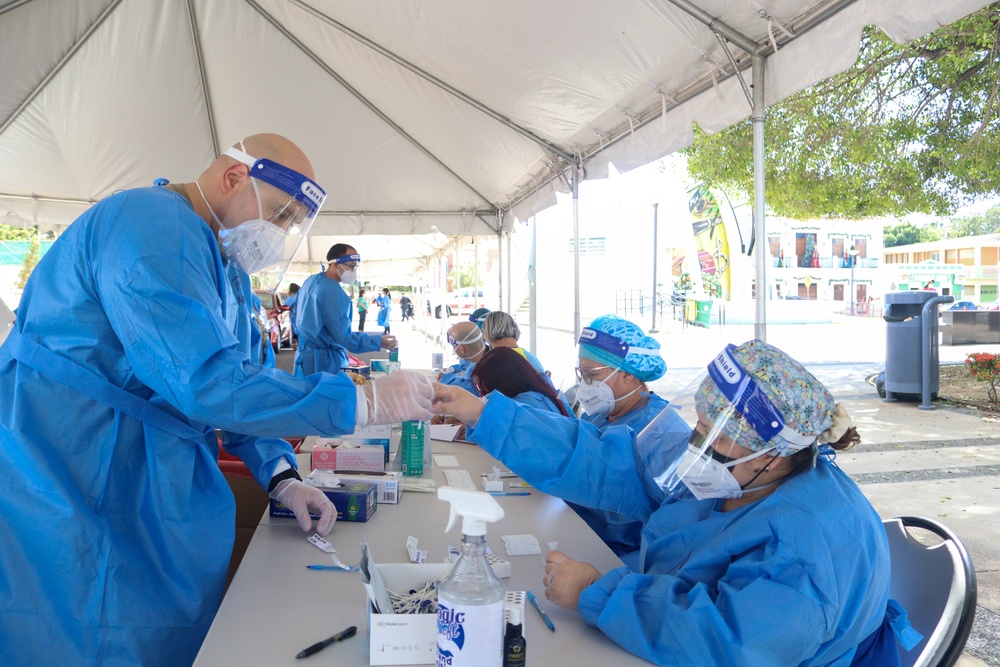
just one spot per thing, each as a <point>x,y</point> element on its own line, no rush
<point>642,357</point>
<point>805,404</point>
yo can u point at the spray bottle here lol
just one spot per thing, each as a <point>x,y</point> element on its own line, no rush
<point>471,597</point>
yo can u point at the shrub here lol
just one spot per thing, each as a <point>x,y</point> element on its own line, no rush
<point>986,367</point>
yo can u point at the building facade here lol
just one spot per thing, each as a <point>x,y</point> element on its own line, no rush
<point>965,267</point>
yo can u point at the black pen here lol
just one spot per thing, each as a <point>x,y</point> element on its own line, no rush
<point>319,646</point>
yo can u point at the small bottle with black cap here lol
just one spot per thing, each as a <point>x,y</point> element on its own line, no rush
<point>513,641</point>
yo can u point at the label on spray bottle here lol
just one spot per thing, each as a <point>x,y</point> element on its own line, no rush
<point>469,635</point>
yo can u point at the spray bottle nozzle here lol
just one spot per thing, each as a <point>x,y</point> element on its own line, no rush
<point>476,508</point>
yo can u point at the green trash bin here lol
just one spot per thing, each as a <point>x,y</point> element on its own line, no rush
<point>704,317</point>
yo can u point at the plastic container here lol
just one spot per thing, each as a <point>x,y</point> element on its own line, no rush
<point>470,596</point>
<point>414,438</point>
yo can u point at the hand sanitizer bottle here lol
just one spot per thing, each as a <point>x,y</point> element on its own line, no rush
<point>471,597</point>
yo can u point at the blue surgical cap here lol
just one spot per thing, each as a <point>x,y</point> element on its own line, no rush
<point>616,342</point>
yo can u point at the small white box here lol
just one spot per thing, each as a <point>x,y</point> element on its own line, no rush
<point>404,639</point>
<point>390,486</point>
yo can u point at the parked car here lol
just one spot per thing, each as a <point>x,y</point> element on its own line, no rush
<point>462,302</point>
<point>963,305</point>
<point>277,319</point>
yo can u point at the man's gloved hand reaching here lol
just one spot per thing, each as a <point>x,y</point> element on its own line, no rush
<point>301,499</point>
<point>394,398</point>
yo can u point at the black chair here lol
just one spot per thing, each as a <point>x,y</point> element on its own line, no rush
<point>936,585</point>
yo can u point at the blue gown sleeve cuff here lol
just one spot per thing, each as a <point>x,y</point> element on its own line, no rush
<point>594,598</point>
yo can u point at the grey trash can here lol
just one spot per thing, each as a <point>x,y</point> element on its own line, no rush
<point>903,345</point>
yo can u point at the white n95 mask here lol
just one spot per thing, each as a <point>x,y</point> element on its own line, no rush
<point>597,398</point>
<point>253,245</point>
<point>349,277</point>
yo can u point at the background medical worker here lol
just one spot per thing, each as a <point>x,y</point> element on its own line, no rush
<point>617,359</point>
<point>756,549</point>
<point>132,343</point>
<point>500,330</point>
<point>384,302</point>
<point>323,317</point>
<point>467,341</point>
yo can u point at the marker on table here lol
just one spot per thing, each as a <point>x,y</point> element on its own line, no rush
<point>325,567</point>
<point>319,646</point>
<point>510,493</point>
<point>541,612</point>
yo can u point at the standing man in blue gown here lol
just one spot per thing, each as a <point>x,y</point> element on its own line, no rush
<point>323,316</point>
<point>132,345</point>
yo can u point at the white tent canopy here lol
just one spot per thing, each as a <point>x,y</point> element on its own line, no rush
<point>446,113</point>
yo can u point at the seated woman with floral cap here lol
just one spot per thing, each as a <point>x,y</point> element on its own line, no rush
<point>756,548</point>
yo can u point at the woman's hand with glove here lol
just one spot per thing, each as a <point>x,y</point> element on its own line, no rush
<point>452,401</point>
<point>394,398</point>
<point>302,499</point>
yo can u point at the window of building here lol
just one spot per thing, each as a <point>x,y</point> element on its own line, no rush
<point>807,292</point>
<point>837,247</point>
<point>838,292</point>
<point>805,248</point>
<point>774,244</point>
<point>861,245</point>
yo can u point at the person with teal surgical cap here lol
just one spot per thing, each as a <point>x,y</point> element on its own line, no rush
<point>323,315</point>
<point>617,359</point>
<point>757,550</point>
<point>132,345</point>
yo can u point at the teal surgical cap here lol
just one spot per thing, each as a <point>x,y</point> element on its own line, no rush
<point>616,342</point>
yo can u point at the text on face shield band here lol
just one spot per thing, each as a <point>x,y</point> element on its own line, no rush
<point>746,396</point>
<point>604,341</point>
<point>344,259</point>
<point>287,180</point>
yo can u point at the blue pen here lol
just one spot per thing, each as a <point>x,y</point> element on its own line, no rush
<point>510,493</point>
<point>541,612</point>
<point>325,567</point>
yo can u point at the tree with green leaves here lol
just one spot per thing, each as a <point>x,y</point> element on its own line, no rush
<point>30,261</point>
<point>906,233</point>
<point>909,128</point>
<point>975,225</point>
<point>10,233</point>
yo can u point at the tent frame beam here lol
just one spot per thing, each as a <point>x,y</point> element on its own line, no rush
<point>84,38</point>
<point>203,75</point>
<point>430,78</point>
<point>364,100</point>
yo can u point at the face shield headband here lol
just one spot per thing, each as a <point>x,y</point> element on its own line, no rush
<point>749,400</point>
<point>471,338</point>
<point>303,190</point>
<point>344,259</point>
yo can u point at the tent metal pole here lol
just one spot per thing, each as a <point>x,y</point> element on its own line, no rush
<point>656,249</point>
<point>475,273</point>
<point>575,181</point>
<point>509,272</point>
<point>762,248</point>
<point>717,26</point>
<point>533,288</point>
<point>500,262</point>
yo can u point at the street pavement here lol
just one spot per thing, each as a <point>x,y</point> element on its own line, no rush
<point>943,464</point>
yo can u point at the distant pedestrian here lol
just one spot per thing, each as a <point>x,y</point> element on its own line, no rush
<point>384,302</point>
<point>362,309</point>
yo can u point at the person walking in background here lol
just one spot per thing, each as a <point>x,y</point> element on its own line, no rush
<point>362,309</point>
<point>384,302</point>
<point>406,307</point>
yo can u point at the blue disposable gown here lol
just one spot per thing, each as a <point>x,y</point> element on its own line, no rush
<point>384,306</point>
<point>461,378</point>
<point>532,399</point>
<point>117,532</point>
<point>290,301</point>
<point>323,314</point>
<point>620,533</point>
<point>799,577</point>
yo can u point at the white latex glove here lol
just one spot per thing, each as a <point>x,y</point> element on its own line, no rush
<point>394,398</point>
<point>301,499</point>
<point>456,402</point>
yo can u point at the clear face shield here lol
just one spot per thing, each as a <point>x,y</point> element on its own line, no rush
<point>268,221</point>
<point>732,422</point>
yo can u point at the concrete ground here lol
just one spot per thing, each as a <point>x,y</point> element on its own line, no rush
<point>943,464</point>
